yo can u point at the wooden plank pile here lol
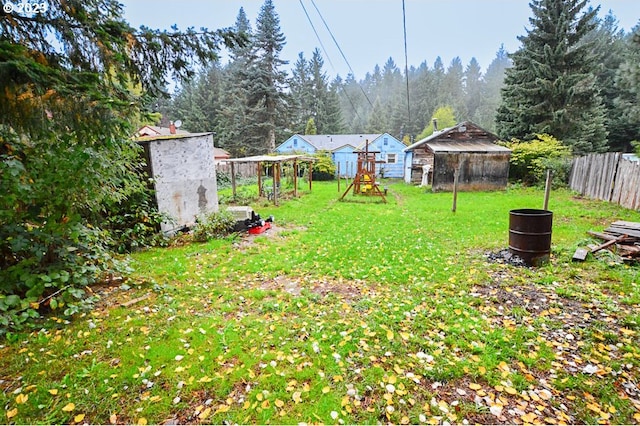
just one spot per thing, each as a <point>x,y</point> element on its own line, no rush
<point>621,237</point>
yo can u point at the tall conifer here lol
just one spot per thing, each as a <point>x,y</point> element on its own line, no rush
<point>552,85</point>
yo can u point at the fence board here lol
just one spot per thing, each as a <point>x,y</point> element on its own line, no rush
<point>607,177</point>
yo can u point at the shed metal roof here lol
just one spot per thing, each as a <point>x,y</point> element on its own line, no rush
<point>457,147</point>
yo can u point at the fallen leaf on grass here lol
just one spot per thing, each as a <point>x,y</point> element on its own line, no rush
<point>78,418</point>
<point>12,413</point>
<point>297,397</point>
<point>205,413</point>
<point>69,407</point>
<point>22,398</point>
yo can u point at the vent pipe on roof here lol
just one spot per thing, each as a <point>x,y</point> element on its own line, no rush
<point>172,128</point>
<point>435,125</point>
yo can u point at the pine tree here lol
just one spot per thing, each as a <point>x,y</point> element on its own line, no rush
<point>552,86</point>
<point>266,83</point>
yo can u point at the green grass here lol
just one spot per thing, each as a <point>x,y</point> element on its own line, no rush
<point>358,311</point>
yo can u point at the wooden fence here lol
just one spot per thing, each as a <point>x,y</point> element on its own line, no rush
<point>607,177</point>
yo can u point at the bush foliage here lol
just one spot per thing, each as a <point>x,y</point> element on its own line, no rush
<point>324,167</point>
<point>530,160</point>
<point>214,225</point>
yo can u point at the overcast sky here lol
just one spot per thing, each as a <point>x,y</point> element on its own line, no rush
<point>371,31</point>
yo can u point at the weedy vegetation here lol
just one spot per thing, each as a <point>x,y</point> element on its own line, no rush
<point>349,312</point>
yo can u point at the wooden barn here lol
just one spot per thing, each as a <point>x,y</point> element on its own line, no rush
<point>482,164</point>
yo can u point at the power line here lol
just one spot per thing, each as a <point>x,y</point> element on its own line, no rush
<point>406,60</point>
<point>355,110</point>
<point>340,50</point>
<point>317,36</point>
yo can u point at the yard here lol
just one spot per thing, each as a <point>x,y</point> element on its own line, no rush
<point>350,312</point>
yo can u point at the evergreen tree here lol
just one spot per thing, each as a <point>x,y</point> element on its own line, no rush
<point>74,82</point>
<point>198,101</point>
<point>552,86</point>
<point>490,97</point>
<point>311,129</point>
<point>301,94</point>
<point>377,119</point>
<point>627,83</point>
<point>609,43</point>
<point>452,87</point>
<point>266,83</point>
<point>473,89</point>
<point>234,100</point>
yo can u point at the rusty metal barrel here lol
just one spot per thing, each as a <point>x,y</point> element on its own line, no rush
<point>530,235</point>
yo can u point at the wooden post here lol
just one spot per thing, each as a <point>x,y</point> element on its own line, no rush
<point>260,193</point>
<point>547,190</point>
<point>233,179</point>
<point>338,176</point>
<point>455,189</point>
<point>295,178</point>
<point>310,174</point>
<point>276,177</point>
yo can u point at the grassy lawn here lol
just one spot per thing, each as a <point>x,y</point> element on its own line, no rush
<point>351,312</point>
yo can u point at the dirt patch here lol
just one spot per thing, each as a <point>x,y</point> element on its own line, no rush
<point>247,240</point>
<point>348,290</point>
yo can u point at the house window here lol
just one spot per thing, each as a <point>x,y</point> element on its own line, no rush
<point>386,141</point>
<point>295,143</point>
<point>391,158</point>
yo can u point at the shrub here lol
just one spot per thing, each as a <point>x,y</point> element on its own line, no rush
<point>214,225</point>
<point>134,223</point>
<point>530,160</point>
<point>323,168</point>
<point>223,179</point>
<point>47,268</point>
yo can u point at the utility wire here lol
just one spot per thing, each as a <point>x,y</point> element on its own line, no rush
<point>317,36</point>
<point>355,110</point>
<point>341,52</point>
<point>406,60</point>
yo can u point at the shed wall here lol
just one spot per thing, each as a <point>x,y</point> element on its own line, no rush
<point>185,181</point>
<point>478,171</point>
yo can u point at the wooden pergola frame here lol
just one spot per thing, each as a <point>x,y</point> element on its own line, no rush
<point>276,161</point>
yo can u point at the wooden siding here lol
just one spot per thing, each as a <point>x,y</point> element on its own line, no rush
<point>477,171</point>
<point>483,164</point>
<point>607,177</point>
<point>421,156</point>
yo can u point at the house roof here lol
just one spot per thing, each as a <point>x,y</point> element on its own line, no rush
<point>157,131</point>
<point>333,142</point>
<point>220,153</point>
<point>436,144</point>
<point>270,159</point>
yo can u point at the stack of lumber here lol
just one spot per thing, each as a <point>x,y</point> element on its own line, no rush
<point>623,237</point>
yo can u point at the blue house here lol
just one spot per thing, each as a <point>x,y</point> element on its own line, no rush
<point>344,148</point>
